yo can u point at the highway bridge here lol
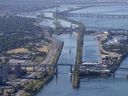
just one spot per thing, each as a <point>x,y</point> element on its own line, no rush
<point>102,29</point>
<point>93,15</point>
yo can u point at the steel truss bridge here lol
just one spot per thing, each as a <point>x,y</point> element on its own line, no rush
<point>86,66</point>
<point>45,68</point>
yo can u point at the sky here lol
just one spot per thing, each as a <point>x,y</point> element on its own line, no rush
<point>22,1</point>
<point>28,4</point>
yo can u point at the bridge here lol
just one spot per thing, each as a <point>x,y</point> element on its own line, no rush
<point>123,69</point>
<point>93,15</point>
<point>85,66</point>
<point>101,29</point>
<point>74,9</point>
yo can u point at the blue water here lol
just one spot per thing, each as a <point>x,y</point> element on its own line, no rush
<point>107,22</point>
<point>91,50</point>
<point>62,86</point>
<point>101,22</point>
<point>105,9</point>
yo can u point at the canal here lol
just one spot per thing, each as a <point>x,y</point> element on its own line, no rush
<point>62,86</point>
<point>91,51</point>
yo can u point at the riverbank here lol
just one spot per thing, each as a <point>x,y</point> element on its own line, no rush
<point>116,58</point>
<point>118,63</point>
<point>51,72</point>
<point>34,86</point>
<point>52,58</point>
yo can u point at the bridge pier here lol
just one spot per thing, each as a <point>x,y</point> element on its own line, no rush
<point>56,70</point>
<point>113,75</point>
<point>75,80</point>
<point>71,69</point>
<point>127,76</point>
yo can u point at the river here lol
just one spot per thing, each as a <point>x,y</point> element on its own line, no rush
<point>91,49</point>
<point>117,9</point>
<point>62,86</point>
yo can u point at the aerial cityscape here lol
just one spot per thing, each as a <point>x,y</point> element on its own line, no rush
<point>63,48</point>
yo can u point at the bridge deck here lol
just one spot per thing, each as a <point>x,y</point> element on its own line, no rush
<point>94,15</point>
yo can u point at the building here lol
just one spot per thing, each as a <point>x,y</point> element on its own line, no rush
<point>3,74</point>
<point>18,71</point>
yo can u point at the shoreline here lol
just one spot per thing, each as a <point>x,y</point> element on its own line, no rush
<point>45,81</point>
<point>117,63</point>
<point>52,58</point>
<point>55,60</point>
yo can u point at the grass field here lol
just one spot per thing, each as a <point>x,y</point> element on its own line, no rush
<point>18,50</point>
<point>44,49</point>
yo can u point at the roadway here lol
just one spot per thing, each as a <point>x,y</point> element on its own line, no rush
<point>94,15</point>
